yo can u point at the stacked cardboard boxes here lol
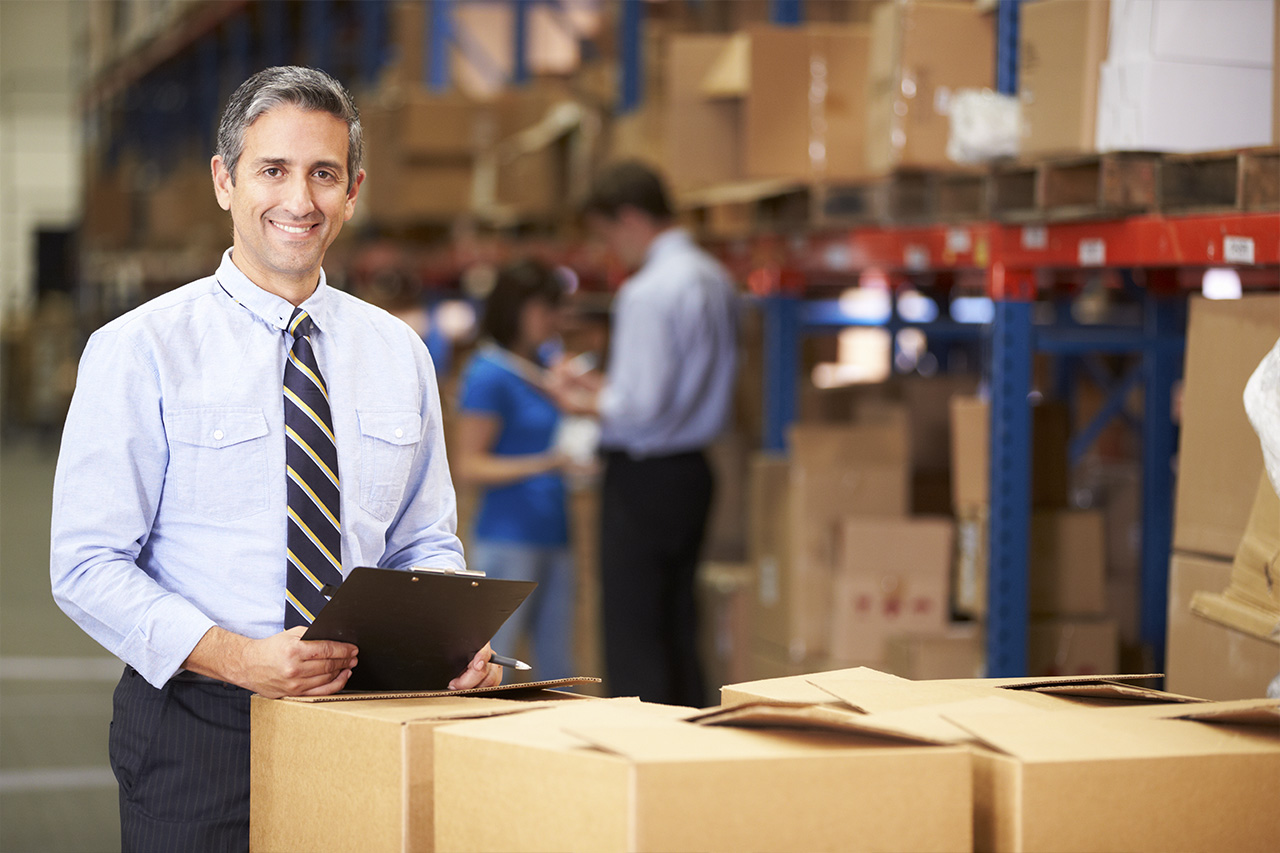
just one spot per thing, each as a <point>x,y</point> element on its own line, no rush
<point>845,572</point>
<point>1219,472</point>
<point>1071,633</point>
<point>1067,763</point>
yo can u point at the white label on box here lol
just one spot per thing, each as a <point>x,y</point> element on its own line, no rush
<point>1093,252</point>
<point>1035,237</point>
<point>770,590</point>
<point>916,258</point>
<point>959,242</point>
<point>1237,250</point>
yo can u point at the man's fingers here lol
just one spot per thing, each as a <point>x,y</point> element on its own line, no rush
<point>329,687</point>
<point>327,649</point>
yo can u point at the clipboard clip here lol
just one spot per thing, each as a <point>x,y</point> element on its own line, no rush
<point>433,570</point>
<point>328,590</point>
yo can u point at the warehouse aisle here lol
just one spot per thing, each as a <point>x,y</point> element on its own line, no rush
<point>56,788</point>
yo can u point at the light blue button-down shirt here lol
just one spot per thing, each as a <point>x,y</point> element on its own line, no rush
<point>673,352</point>
<point>169,499</point>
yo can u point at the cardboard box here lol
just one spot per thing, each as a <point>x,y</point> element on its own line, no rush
<point>702,144</point>
<point>1068,563</point>
<point>1182,107</point>
<point>805,113</point>
<point>1073,646</point>
<point>1251,603</point>
<point>921,53</point>
<point>1206,659</point>
<point>971,455</point>
<point>603,777</point>
<point>1174,777</point>
<point>1062,44</point>
<point>1234,33</point>
<point>958,653</point>
<point>724,621</point>
<point>769,545</point>
<point>1219,458</point>
<point>969,572</point>
<point>892,579</point>
<point>928,403</point>
<point>371,785</point>
<point>835,473</point>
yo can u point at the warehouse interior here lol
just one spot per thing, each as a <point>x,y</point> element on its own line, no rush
<point>1005,269</point>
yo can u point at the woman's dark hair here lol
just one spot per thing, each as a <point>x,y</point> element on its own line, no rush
<point>628,184</point>
<point>517,284</point>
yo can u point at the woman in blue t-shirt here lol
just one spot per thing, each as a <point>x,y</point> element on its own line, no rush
<point>506,438</point>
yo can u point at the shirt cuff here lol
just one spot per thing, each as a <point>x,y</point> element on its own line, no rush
<point>158,646</point>
<point>608,402</point>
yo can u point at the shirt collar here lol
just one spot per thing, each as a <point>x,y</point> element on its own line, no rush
<point>669,240</point>
<point>273,310</point>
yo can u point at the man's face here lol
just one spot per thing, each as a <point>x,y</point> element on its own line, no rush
<point>290,197</point>
<point>624,234</point>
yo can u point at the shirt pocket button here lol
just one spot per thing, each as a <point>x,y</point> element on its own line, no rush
<point>217,435</point>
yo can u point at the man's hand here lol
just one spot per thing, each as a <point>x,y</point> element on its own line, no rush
<point>280,665</point>
<point>573,393</point>
<point>479,673</point>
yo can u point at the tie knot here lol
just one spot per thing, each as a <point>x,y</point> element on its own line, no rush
<point>300,324</point>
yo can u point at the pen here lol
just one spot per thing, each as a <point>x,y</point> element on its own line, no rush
<point>503,660</point>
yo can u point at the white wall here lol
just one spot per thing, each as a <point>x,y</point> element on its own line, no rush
<point>40,133</point>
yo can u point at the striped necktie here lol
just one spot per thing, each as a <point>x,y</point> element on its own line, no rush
<point>311,460</point>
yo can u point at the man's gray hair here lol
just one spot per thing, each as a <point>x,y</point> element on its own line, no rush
<point>306,88</point>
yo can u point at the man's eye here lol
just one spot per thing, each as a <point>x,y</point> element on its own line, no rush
<point>271,172</point>
<point>325,175</point>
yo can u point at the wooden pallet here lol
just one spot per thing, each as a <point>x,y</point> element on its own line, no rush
<point>1098,186</point>
<point>1247,180</point>
<point>906,197</point>
<point>730,211</point>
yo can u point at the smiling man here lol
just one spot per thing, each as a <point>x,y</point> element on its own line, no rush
<point>232,447</point>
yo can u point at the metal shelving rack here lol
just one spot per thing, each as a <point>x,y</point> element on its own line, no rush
<point>1019,264</point>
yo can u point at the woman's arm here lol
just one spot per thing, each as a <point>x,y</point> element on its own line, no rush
<point>479,466</point>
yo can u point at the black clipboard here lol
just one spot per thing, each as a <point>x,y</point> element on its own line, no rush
<point>418,629</point>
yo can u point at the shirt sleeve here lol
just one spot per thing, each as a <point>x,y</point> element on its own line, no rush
<point>424,532</point>
<point>481,392</point>
<point>110,475</point>
<point>642,365</point>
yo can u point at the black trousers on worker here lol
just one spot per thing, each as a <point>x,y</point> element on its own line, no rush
<point>181,756</point>
<point>653,521</point>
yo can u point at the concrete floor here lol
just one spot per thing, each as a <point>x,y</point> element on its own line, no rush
<point>56,788</point>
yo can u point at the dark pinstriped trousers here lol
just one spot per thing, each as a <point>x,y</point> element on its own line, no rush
<point>181,756</point>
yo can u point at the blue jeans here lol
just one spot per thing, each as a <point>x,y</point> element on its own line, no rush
<point>547,614</point>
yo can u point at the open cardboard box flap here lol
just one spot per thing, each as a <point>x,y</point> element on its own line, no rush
<point>804,690</point>
<point>1149,732</point>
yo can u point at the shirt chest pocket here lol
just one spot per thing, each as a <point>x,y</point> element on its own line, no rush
<point>217,463</point>
<point>388,443</point>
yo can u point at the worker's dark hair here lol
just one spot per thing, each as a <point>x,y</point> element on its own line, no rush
<point>628,184</point>
<point>518,283</point>
<point>307,88</point>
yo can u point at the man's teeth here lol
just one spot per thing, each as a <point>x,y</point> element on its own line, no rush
<point>292,229</point>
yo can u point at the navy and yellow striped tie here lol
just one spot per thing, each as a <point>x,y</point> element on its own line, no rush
<point>311,460</point>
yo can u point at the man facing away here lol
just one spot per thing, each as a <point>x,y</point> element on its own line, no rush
<point>233,446</point>
<point>666,396</point>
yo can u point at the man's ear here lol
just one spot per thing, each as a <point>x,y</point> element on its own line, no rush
<point>350,207</point>
<point>222,181</point>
